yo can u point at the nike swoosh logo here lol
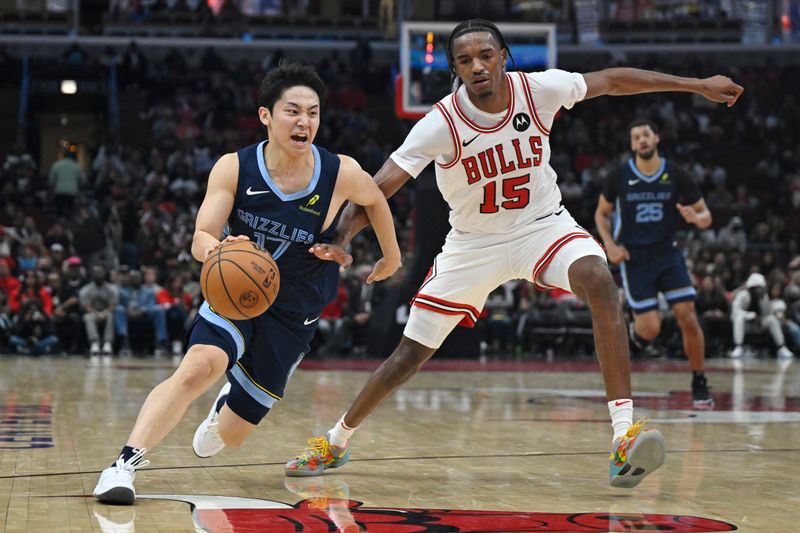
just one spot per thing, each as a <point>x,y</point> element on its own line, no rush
<point>308,322</point>
<point>467,143</point>
<point>621,403</point>
<point>251,192</point>
<point>633,182</point>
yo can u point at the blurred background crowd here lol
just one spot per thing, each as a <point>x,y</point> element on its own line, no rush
<point>95,235</point>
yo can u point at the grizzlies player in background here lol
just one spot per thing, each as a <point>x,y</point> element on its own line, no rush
<point>284,194</point>
<point>490,143</point>
<point>647,195</point>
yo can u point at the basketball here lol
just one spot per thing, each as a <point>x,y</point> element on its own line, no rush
<point>240,280</point>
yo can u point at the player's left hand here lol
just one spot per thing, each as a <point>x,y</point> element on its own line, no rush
<point>688,213</point>
<point>721,89</point>
<point>332,252</point>
<point>383,269</point>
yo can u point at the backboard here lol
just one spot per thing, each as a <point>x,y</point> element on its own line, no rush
<point>424,76</point>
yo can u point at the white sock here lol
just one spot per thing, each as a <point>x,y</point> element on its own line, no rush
<point>621,412</point>
<point>340,433</point>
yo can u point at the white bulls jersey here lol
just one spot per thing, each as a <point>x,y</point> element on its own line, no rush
<point>493,169</point>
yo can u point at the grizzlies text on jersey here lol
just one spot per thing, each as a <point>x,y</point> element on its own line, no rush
<point>645,213</point>
<point>287,225</point>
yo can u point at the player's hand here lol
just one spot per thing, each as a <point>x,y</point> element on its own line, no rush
<point>721,89</point>
<point>616,253</point>
<point>229,238</point>
<point>688,213</point>
<point>384,268</point>
<point>332,252</point>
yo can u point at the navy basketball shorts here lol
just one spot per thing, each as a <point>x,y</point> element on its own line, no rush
<point>262,354</point>
<point>655,269</point>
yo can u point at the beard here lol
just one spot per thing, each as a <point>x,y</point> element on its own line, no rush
<point>648,155</point>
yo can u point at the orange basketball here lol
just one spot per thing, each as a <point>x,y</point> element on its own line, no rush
<point>240,280</point>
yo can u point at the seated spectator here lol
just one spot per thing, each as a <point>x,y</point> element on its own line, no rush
<point>176,304</point>
<point>499,320</point>
<point>713,313</point>
<point>33,333</point>
<point>9,285</point>
<point>33,288</point>
<point>6,322</point>
<point>138,303</point>
<point>751,304</point>
<point>732,236</point>
<point>778,306</point>
<point>98,298</point>
<point>67,313</point>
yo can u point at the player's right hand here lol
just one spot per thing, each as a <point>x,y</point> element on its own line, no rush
<point>384,268</point>
<point>229,238</point>
<point>721,89</point>
<point>616,253</point>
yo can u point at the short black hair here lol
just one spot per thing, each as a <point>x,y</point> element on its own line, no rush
<point>289,75</point>
<point>470,26</point>
<point>643,122</point>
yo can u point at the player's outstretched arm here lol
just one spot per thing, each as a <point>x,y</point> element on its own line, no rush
<point>216,207</point>
<point>623,81</point>
<point>354,218</point>
<point>361,190</point>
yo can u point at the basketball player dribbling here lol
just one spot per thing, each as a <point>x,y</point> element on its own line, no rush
<point>285,195</point>
<point>489,140</point>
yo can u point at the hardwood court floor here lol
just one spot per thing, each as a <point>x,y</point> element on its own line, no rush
<point>529,441</point>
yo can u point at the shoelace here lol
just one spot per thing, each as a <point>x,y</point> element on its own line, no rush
<point>134,462</point>
<point>620,453</point>
<point>212,431</point>
<point>317,446</point>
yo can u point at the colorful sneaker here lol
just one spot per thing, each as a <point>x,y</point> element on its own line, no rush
<point>701,394</point>
<point>318,457</point>
<point>206,441</point>
<point>635,455</point>
<point>116,482</point>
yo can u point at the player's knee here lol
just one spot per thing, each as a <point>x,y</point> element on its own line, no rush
<point>407,359</point>
<point>198,370</point>
<point>591,280</point>
<point>648,330</point>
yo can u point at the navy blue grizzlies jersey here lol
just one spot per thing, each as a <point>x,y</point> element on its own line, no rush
<point>287,225</point>
<point>645,212</point>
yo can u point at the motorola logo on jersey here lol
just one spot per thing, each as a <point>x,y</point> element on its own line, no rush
<point>521,122</point>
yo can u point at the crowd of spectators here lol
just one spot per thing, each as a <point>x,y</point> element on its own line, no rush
<point>100,263</point>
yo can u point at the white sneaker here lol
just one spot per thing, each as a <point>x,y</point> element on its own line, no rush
<point>107,348</point>
<point>95,348</point>
<point>116,482</point>
<point>737,352</point>
<point>177,347</point>
<point>206,441</point>
<point>785,353</point>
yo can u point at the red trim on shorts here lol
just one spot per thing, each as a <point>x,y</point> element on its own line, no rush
<point>532,105</point>
<point>445,307</point>
<point>551,252</point>
<point>429,276</point>
<point>453,135</point>
<point>498,126</point>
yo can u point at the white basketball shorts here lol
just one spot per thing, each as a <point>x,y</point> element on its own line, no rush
<point>470,266</point>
